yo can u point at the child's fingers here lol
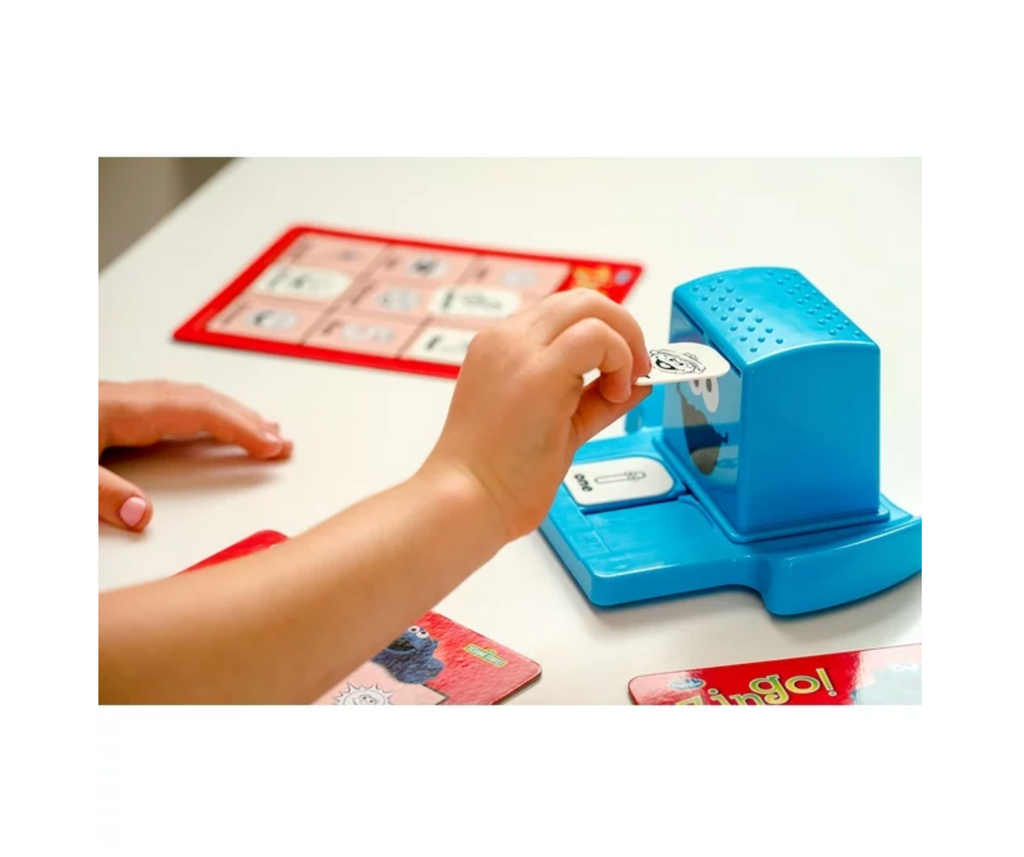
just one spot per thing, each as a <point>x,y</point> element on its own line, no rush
<point>548,319</point>
<point>592,344</point>
<point>595,413</point>
<point>253,417</point>
<point>204,411</point>
<point>228,423</point>
<point>286,449</point>
<point>123,504</point>
<point>252,420</point>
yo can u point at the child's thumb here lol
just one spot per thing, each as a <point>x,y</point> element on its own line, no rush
<point>122,504</point>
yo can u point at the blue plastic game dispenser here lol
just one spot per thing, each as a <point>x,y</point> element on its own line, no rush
<point>767,477</point>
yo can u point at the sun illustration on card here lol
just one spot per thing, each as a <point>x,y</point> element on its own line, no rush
<point>371,695</point>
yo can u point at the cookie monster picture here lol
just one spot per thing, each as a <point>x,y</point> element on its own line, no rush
<point>896,684</point>
<point>709,407</point>
<point>410,659</point>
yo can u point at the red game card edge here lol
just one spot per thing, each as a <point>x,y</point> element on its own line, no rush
<point>194,329</point>
<point>752,664</point>
<point>249,545</point>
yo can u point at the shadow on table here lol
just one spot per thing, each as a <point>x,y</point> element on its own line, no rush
<point>885,616</point>
<point>198,465</point>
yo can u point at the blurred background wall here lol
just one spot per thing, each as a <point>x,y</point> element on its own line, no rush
<point>136,193</point>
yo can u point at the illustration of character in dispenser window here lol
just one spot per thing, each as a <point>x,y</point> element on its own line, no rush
<point>706,430</point>
<point>410,658</point>
<point>895,684</point>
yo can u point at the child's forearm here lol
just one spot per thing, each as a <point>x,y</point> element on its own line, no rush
<point>285,625</point>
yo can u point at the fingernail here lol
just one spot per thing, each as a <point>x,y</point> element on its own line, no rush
<point>273,438</point>
<point>132,511</point>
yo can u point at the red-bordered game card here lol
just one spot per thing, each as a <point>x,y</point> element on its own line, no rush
<point>883,676</point>
<point>436,661</point>
<point>385,302</point>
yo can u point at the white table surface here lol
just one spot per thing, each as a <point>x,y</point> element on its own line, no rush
<point>852,226</point>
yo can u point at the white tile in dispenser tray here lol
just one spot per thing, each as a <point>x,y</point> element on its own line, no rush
<point>616,480</point>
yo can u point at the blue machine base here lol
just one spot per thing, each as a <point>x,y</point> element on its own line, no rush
<point>671,546</point>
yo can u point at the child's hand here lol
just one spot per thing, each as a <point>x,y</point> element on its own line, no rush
<point>520,409</point>
<point>146,412</point>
